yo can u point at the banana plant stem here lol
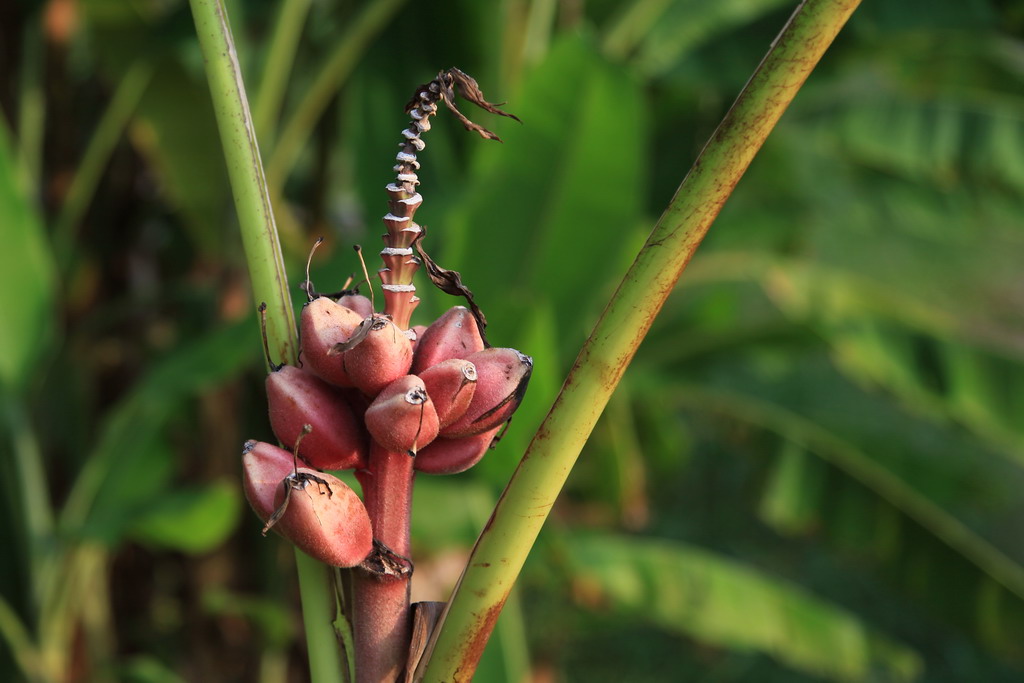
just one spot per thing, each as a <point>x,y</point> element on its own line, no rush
<point>381,601</point>
<point>245,172</point>
<point>506,540</point>
<point>269,280</point>
<point>318,606</point>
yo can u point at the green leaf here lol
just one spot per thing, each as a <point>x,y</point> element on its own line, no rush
<point>143,474</point>
<point>175,130</point>
<point>449,511</point>
<point>614,469</point>
<point>192,520</point>
<point>928,137</point>
<point>270,615</point>
<point>793,491</point>
<point>110,485</point>
<point>147,669</point>
<point>538,337</point>
<point>27,279</point>
<point>923,14</point>
<point>173,126</point>
<point>687,25</point>
<point>958,492</point>
<point>552,213</point>
<point>722,602</point>
<point>914,348</point>
<point>948,356</point>
<point>940,378</point>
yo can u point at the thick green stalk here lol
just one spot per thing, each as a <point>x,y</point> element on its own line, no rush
<point>24,652</point>
<point>316,589</point>
<point>245,171</point>
<point>33,497</point>
<point>269,280</point>
<point>502,548</point>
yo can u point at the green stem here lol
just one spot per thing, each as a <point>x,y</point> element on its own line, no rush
<point>350,47</point>
<point>317,592</point>
<point>83,566</point>
<point>23,650</point>
<point>269,280</point>
<point>502,548</point>
<point>29,476</point>
<point>381,603</point>
<point>278,66</point>
<point>245,171</point>
<point>540,22</point>
<point>631,26</point>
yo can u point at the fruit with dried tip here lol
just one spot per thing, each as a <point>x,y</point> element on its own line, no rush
<point>402,418</point>
<point>502,377</point>
<point>325,324</point>
<point>376,355</point>
<point>317,512</point>
<point>297,398</point>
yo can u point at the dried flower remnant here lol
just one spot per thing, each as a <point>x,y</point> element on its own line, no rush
<point>445,85</point>
<point>450,282</point>
<point>402,232</point>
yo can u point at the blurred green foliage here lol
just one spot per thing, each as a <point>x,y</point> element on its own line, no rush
<point>813,469</point>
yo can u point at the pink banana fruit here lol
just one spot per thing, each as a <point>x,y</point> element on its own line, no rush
<point>317,512</point>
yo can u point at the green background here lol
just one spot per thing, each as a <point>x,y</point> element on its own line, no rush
<point>814,469</point>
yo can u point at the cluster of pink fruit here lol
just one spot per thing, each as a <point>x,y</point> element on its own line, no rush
<point>365,390</point>
<point>377,396</point>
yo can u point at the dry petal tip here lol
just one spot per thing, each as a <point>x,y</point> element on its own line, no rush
<point>383,561</point>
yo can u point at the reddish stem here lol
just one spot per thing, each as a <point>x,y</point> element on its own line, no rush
<point>382,620</point>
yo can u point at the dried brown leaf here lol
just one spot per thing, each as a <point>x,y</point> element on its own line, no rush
<point>450,282</point>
